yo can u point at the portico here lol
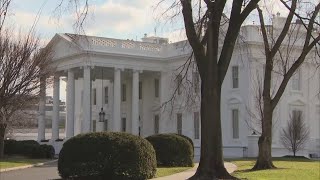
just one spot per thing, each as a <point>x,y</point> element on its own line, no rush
<point>103,83</point>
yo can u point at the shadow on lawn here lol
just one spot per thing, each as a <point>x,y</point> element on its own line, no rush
<point>286,158</point>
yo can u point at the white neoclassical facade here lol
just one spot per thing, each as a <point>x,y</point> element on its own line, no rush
<point>129,81</point>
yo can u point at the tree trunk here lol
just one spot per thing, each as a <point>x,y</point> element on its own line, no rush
<point>2,133</point>
<point>264,160</point>
<point>211,164</point>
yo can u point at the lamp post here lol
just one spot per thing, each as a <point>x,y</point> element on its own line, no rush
<point>102,115</point>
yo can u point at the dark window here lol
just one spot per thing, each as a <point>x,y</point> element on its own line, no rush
<point>235,123</point>
<point>235,77</point>
<point>156,124</point>
<point>140,89</point>
<point>179,83</point>
<point>196,125</point>
<point>123,124</point>
<point>94,125</point>
<point>94,96</point>
<point>196,80</point>
<point>124,92</point>
<point>179,123</point>
<point>156,88</point>
<point>106,95</point>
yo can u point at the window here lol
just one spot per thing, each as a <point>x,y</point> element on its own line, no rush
<point>179,123</point>
<point>156,124</point>
<point>124,92</point>
<point>105,125</point>
<point>94,125</point>
<point>235,77</point>
<point>106,95</point>
<point>296,114</point>
<point>156,88</point>
<point>296,81</point>
<point>81,97</point>
<point>94,96</point>
<point>196,119</point>
<point>140,89</point>
<point>195,79</point>
<point>296,118</point>
<point>123,124</point>
<point>235,123</point>
<point>179,82</point>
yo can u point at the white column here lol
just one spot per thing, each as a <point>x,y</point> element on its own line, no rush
<point>135,103</point>
<point>42,112</point>
<point>70,105</point>
<point>117,100</point>
<point>55,111</point>
<point>86,122</point>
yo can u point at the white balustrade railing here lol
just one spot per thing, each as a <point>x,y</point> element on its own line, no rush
<point>124,44</point>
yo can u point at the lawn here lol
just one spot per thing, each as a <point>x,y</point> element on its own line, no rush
<point>287,168</point>
<point>166,171</point>
<point>16,161</point>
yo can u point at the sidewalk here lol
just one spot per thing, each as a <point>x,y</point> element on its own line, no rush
<point>190,172</point>
<point>28,166</point>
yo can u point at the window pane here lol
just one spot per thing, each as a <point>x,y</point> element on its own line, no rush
<point>235,123</point>
<point>106,95</point>
<point>140,90</point>
<point>196,125</point>
<point>179,123</point>
<point>81,97</point>
<point>235,77</point>
<point>156,124</point>
<point>106,125</point>
<point>124,92</point>
<point>94,125</point>
<point>156,88</point>
<point>123,124</point>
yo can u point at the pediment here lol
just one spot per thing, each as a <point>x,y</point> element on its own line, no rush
<point>297,102</point>
<point>235,100</point>
<point>63,46</point>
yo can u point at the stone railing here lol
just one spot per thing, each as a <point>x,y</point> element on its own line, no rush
<point>125,45</point>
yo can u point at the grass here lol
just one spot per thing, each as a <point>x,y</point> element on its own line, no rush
<point>166,171</point>
<point>287,168</point>
<point>16,161</point>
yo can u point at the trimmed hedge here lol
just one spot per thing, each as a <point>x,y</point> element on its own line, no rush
<point>190,141</point>
<point>107,155</point>
<point>28,148</point>
<point>172,150</point>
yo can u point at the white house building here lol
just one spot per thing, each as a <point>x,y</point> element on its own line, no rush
<point>128,81</point>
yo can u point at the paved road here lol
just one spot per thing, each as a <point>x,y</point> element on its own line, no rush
<point>50,171</point>
<point>44,172</point>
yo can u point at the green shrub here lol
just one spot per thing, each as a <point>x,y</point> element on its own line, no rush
<point>116,156</point>
<point>172,150</point>
<point>190,140</point>
<point>48,150</point>
<point>28,148</point>
<point>10,147</point>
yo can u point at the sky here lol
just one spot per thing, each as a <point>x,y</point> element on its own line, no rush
<point>122,19</point>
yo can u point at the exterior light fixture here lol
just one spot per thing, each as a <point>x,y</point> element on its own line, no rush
<point>102,115</point>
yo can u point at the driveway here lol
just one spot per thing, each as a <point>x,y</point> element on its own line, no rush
<point>48,171</point>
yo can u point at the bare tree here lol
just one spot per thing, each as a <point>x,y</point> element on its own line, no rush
<point>205,35</point>
<point>284,64</point>
<point>22,64</point>
<point>295,134</point>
